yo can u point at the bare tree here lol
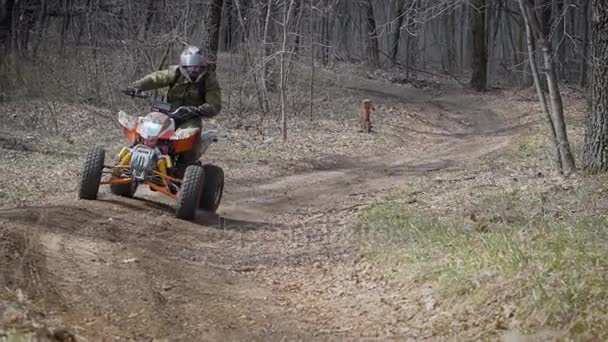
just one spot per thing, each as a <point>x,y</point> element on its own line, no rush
<point>595,155</point>
<point>325,37</point>
<point>6,23</point>
<point>541,95</point>
<point>585,46</point>
<point>312,62</point>
<point>373,54</point>
<point>211,35</point>
<point>450,40</point>
<point>422,36</point>
<point>557,108</point>
<point>287,13</point>
<point>267,48</point>
<point>397,25</point>
<point>479,63</point>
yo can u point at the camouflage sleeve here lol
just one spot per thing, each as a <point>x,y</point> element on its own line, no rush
<point>213,94</point>
<point>157,79</point>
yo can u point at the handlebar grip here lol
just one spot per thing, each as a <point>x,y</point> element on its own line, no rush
<point>133,93</point>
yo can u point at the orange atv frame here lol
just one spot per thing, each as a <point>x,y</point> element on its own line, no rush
<point>149,160</point>
<point>124,161</point>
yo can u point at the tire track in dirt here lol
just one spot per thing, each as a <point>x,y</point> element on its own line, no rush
<point>473,130</point>
<point>118,278</point>
<point>214,279</point>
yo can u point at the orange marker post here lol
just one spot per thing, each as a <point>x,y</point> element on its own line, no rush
<point>366,116</point>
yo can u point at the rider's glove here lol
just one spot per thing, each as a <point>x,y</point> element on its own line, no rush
<point>185,114</point>
<point>206,110</point>
<point>132,89</point>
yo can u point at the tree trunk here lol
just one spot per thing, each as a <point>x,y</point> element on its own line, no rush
<point>545,7</point>
<point>463,36</point>
<point>287,11</point>
<point>211,34</point>
<point>396,35</point>
<point>82,25</point>
<point>312,60</point>
<point>23,25</point>
<point>241,13</point>
<point>347,31</point>
<point>527,79</point>
<point>557,108</point>
<point>562,52</point>
<point>451,41</point>
<point>150,11</point>
<point>479,63</point>
<point>373,55</point>
<point>267,49</point>
<point>228,34</point>
<point>298,11</point>
<point>6,23</point>
<point>40,26</point>
<point>585,46</point>
<point>91,29</point>
<point>514,46</point>
<point>595,155</point>
<point>558,9</point>
<point>325,37</point>
<point>65,25</point>
<point>494,20</point>
<point>567,159</point>
<point>6,27</point>
<point>541,96</point>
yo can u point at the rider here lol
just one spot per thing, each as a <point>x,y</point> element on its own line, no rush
<point>191,84</point>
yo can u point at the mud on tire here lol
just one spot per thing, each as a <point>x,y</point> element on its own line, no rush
<point>213,189</point>
<point>190,192</point>
<point>91,173</point>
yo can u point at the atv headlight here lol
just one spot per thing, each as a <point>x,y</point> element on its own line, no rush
<point>150,130</point>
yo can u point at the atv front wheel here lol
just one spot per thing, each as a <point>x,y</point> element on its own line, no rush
<point>91,173</point>
<point>190,192</point>
<point>213,189</point>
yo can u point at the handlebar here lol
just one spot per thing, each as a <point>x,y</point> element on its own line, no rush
<point>171,114</point>
<point>141,95</point>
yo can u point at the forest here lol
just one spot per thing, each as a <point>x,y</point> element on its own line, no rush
<point>425,169</point>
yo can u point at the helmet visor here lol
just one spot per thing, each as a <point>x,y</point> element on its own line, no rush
<point>192,60</point>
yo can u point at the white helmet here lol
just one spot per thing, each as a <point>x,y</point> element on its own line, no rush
<point>193,63</point>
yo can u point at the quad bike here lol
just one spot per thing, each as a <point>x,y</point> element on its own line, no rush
<point>153,159</point>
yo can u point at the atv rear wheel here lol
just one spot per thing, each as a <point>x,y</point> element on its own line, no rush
<point>213,189</point>
<point>91,173</point>
<point>190,192</point>
<point>124,190</point>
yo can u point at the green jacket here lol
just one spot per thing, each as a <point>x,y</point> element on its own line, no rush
<point>184,93</point>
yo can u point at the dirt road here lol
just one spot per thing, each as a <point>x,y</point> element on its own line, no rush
<point>275,264</point>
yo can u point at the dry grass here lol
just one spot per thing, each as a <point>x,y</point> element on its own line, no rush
<point>500,237</point>
<point>24,289</point>
<point>22,259</point>
<point>20,279</point>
